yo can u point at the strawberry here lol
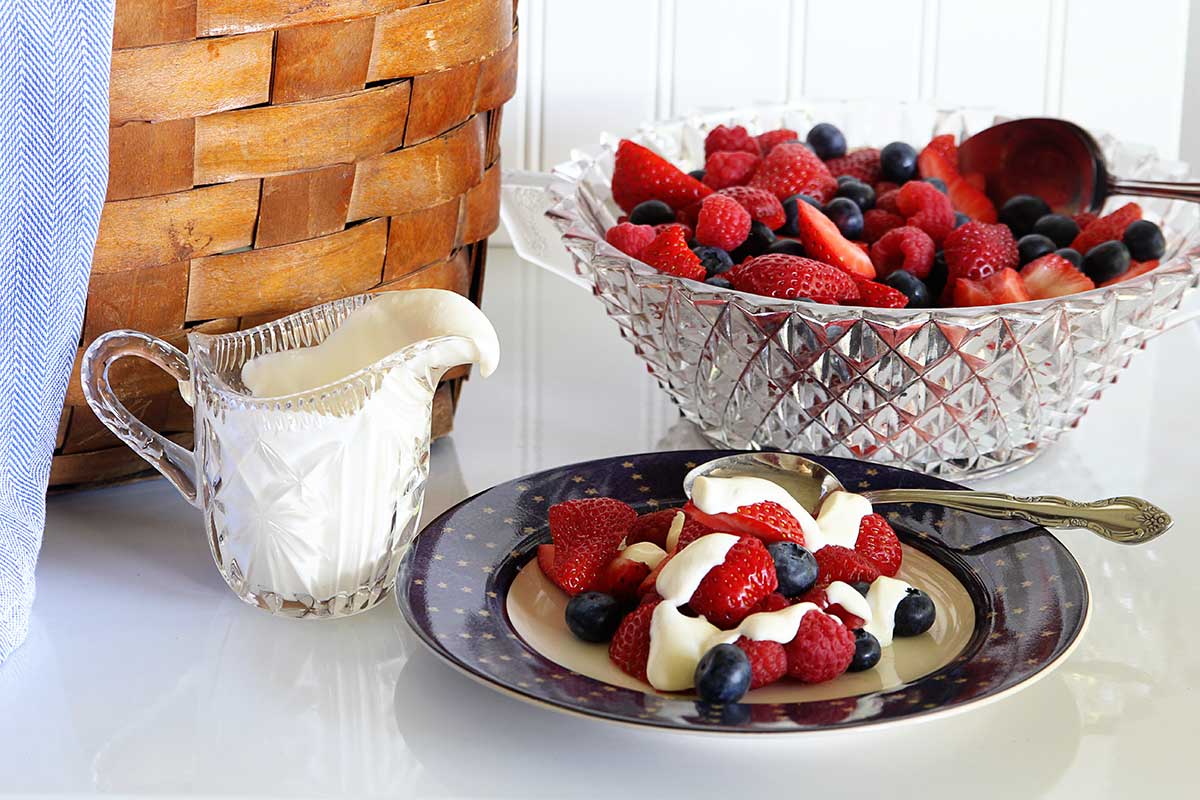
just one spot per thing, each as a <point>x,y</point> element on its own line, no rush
<point>669,253</point>
<point>726,139</point>
<point>767,141</point>
<point>641,174</point>
<point>768,660</point>
<point>939,160</point>
<point>794,169</point>
<point>877,222</point>
<point>907,248</point>
<point>822,650</point>
<point>772,602</point>
<point>733,587</point>
<point>837,563</point>
<point>651,527</point>
<point>545,559</point>
<point>861,164</point>
<point>763,206</point>
<point>977,249</point>
<point>1085,218</point>
<point>878,295</point>
<point>722,222</point>
<point>767,521</point>
<point>886,200</point>
<point>923,206</point>
<point>878,542</point>
<point>1136,268</point>
<point>648,586</point>
<point>730,168</point>
<point>630,239</point>
<point>1110,226</point>
<point>825,242</point>
<point>789,277</point>
<point>662,226</point>
<point>622,578</point>
<point>1053,276</point>
<point>1000,287</point>
<point>587,534</point>
<point>630,645</point>
<point>692,530</point>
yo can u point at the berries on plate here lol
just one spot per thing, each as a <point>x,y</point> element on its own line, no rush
<point>669,253</point>
<point>723,674</point>
<point>878,542</point>
<point>722,222</point>
<point>867,651</point>
<point>1136,268</point>
<point>825,243</point>
<point>768,661</point>
<point>630,645</point>
<point>977,249</point>
<point>714,260</point>
<point>730,590</point>
<point>822,650</point>
<point>640,174</point>
<point>795,568</point>
<point>939,162</point>
<point>622,578</point>
<point>788,247</point>
<point>915,614</point>
<point>839,563</point>
<point>877,222</point>
<point>792,277</point>
<point>586,534</point>
<point>729,138</point>
<point>593,616</point>
<point>794,169</point>
<point>1053,276</point>
<point>651,527</point>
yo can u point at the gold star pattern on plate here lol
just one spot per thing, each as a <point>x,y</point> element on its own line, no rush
<point>872,472</point>
<point>1018,611</point>
<point>1048,634</point>
<point>442,585</point>
<point>509,520</point>
<point>1022,556</point>
<point>470,537</point>
<point>893,515</point>
<point>627,464</point>
<point>459,611</point>
<point>637,476</point>
<point>438,556</point>
<point>489,510</point>
<point>577,478</point>
<point>492,595</point>
<point>419,581</point>
<point>1000,562</point>
<point>528,529</point>
<point>462,563</point>
<point>864,484</point>
<point>489,636</point>
<point>467,589</point>
<point>490,545</point>
<point>537,498</point>
<point>488,570</point>
<point>1001,589</point>
<point>643,489</point>
<point>690,464</point>
<point>464,635</point>
<point>1026,584</point>
<point>590,491</point>
<point>483,612</point>
<point>652,503</point>
<point>434,609</point>
<point>522,487</point>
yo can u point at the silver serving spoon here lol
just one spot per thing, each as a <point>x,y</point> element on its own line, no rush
<point>1057,161</point>
<point>1125,520</point>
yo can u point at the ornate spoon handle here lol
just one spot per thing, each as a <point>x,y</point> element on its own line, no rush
<point>1125,520</point>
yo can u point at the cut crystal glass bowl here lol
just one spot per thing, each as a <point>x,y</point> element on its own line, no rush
<point>950,392</point>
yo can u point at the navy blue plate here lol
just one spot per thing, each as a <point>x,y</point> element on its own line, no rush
<point>1030,599</point>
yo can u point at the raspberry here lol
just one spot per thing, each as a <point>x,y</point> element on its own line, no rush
<point>669,253</point>
<point>822,649</point>
<point>722,222</point>
<point>730,168</point>
<point>837,563</point>
<point>877,541</point>
<point>883,187</point>
<point>630,645</point>
<point>729,139</point>
<point>736,585</point>
<point>630,239</point>
<point>877,295</point>
<point>651,527</point>
<point>861,164</point>
<point>763,206</point>
<point>887,201</point>
<point>926,208</point>
<point>906,248</point>
<point>789,277</point>
<point>794,169</point>
<point>977,249</point>
<point>768,660</point>
<point>587,535</point>
<point>877,222</point>
<point>772,602</point>
<point>1110,226</point>
<point>768,140</point>
<point>641,174</point>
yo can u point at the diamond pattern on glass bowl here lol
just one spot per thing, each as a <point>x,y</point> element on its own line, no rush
<point>950,392</point>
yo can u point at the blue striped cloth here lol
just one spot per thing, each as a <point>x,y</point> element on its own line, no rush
<point>54,59</point>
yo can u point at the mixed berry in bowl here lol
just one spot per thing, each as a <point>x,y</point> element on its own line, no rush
<point>780,217</point>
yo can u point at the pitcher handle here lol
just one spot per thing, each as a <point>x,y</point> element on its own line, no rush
<point>176,463</point>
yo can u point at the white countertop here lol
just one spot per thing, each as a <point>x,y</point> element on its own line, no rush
<point>143,674</point>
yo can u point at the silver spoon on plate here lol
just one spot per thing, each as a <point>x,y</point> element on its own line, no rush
<point>1124,520</point>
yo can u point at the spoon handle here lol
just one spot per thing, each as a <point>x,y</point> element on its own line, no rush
<point>1171,190</point>
<point>1125,520</point>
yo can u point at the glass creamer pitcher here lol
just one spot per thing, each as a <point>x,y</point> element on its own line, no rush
<point>310,498</point>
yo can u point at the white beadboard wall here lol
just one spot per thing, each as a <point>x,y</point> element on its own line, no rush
<point>586,67</point>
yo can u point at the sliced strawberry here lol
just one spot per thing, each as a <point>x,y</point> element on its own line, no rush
<point>630,645</point>
<point>878,542</point>
<point>967,293</point>
<point>622,578</point>
<point>731,589</point>
<point>669,253</point>
<point>939,160</point>
<point>878,295</point>
<point>851,621</point>
<point>794,169</point>
<point>1106,228</point>
<point>587,535</point>
<point>651,527</point>
<point>768,661</point>
<point>647,586</point>
<point>825,242</point>
<point>1053,276</point>
<point>789,277</point>
<point>1135,269</point>
<point>768,521</point>
<point>1000,287</point>
<point>837,563</point>
<point>641,174</point>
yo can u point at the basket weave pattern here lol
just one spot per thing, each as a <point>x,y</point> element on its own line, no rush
<point>270,155</point>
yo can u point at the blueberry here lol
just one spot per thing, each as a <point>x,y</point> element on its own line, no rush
<point>1144,240</point>
<point>938,273</point>
<point>862,587</point>
<point>651,212</point>
<point>826,141</point>
<point>1070,255</point>
<point>593,616</point>
<point>789,247</point>
<point>915,614</point>
<point>938,184</point>
<point>911,287</point>
<point>757,242</point>
<point>862,195</point>
<point>719,281</point>
<point>846,214</point>
<point>1021,212</point>
<point>812,201</point>
<point>723,674</point>
<point>714,259</point>
<point>698,174</point>
<point>844,179</point>
<point>960,219</point>
<point>866,651</point>
<point>1106,261</point>
<point>792,226</point>
<point>1059,228</point>
<point>1033,246</point>
<point>898,162</point>
<point>795,567</point>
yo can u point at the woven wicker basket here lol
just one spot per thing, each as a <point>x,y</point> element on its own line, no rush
<point>269,155</point>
